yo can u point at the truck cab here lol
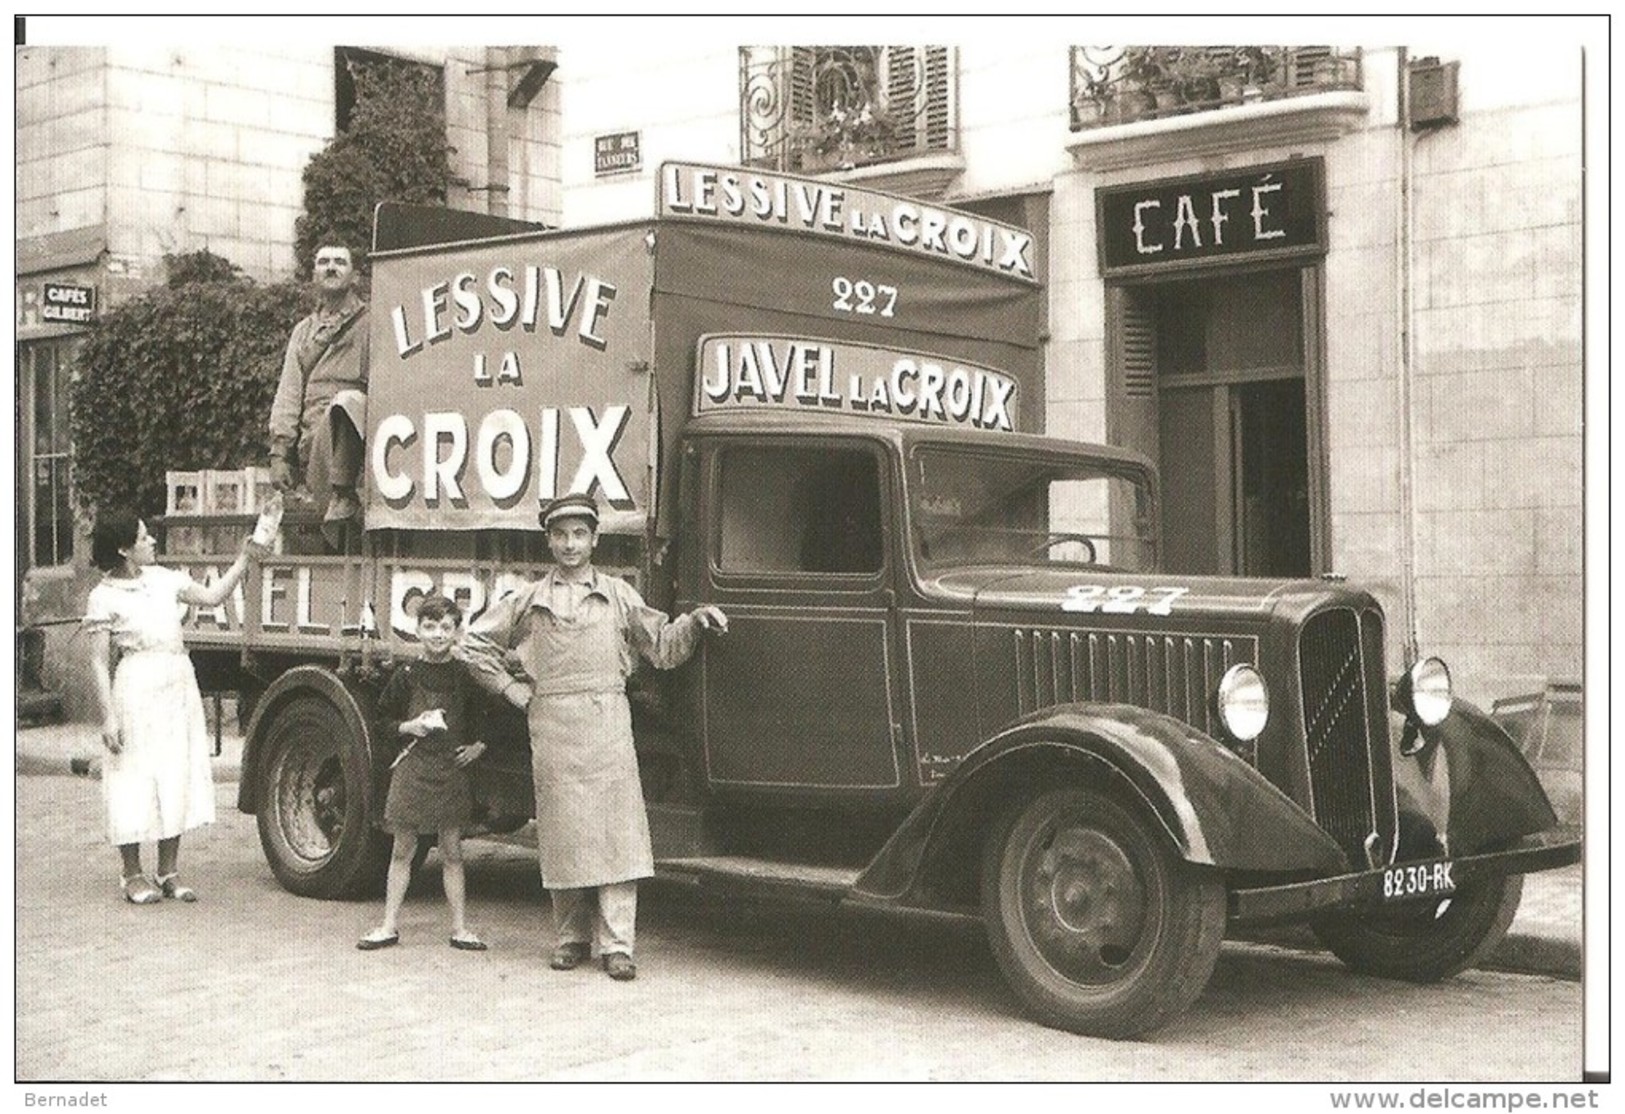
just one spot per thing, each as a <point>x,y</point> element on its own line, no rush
<point>956,677</point>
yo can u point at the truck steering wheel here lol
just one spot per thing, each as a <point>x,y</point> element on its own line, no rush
<point>1053,540</point>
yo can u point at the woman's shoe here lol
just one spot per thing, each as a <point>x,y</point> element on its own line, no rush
<point>139,891</point>
<point>378,938</point>
<point>466,941</point>
<point>171,887</point>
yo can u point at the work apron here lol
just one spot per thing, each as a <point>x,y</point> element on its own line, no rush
<point>591,827</point>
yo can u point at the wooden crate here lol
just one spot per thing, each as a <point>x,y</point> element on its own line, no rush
<point>218,491</point>
<point>187,540</point>
<point>187,493</point>
<point>217,536</point>
<point>226,491</point>
<point>258,481</point>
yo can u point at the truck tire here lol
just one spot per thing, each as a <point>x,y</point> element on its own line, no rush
<point>1097,925</point>
<point>312,813</point>
<point>1428,940</point>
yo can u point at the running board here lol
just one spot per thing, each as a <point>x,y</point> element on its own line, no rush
<point>736,872</point>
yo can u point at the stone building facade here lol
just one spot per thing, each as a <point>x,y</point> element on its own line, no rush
<point>1390,391</point>
<point>1399,401</point>
<point>126,153</point>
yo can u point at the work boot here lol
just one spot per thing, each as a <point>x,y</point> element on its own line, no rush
<point>342,506</point>
<point>567,957</point>
<point>343,512</point>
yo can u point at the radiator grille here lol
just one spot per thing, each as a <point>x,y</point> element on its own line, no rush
<point>1340,669</point>
<point>1175,674</point>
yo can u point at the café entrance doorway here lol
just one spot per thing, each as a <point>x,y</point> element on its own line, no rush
<point>1221,375</point>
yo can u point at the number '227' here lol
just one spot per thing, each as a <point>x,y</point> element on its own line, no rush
<point>863,296</point>
<point>1123,599</point>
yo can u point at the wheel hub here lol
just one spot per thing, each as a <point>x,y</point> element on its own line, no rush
<point>1087,904</point>
<point>311,802</point>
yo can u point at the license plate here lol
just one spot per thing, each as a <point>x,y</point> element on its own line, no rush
<point>1413,880</point>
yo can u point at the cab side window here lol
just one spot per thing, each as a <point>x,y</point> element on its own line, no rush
<point>788,510</point>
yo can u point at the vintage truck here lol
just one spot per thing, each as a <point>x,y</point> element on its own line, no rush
<point>955,678</point>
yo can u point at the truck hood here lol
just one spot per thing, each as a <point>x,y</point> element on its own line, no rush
<point>1057,591</point>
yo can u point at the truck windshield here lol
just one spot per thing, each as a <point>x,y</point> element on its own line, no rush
<point>981,507</point>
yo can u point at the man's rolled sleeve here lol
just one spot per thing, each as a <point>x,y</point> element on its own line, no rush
<point>483,649</point>
<point>667,643</point>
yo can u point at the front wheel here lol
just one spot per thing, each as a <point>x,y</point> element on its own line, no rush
<point>313,819</point>
<point>1427,940</point>
<point>1097,925</point>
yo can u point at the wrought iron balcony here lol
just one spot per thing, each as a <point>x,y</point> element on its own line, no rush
<point>813,109</point>
<point>1121,84</point>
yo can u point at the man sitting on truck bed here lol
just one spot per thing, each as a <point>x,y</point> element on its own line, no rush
<point>320,406</point>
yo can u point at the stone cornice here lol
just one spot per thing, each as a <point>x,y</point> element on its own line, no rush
<point>1313,118</point>
<point>925,176</point>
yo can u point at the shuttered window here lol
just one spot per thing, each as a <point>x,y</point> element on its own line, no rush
<point>1131,336</point>
<point>1218,380</point>
<point>45,524</point>
<point>917,97</point>
<point>817,108</point>
<point>1308,66</point>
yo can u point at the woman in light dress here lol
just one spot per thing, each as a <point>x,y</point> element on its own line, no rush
<point>156,777</point>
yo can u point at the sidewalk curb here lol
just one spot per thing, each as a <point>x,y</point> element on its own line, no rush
<point>89,766</point>
<point>1531,955</point>
<point>1518,952</point>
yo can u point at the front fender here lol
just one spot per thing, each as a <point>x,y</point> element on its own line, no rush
<point>300,680</point>
<point>1217,810</point>
<point>1477,785</point>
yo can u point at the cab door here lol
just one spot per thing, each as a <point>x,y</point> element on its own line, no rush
<point>800,694</point>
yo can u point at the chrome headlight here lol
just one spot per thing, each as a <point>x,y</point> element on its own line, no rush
<point>1244,702</point>
<point>1426,692</point>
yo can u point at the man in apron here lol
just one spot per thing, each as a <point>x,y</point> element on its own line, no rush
<point>320,406</point>
<point>576,634</point>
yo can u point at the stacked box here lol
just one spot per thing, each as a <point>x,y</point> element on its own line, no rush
<point>226,492</point>
<point>186,492</point>
<point>258,481</point>
<point>218,491</point>
<point>186,541</point>
<point>238,492</point>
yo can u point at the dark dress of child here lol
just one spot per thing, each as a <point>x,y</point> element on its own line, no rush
<point>428,792</point>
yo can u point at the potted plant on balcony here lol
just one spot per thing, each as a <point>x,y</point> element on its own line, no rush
<point>1230,72</point>
<point>1258,66</point>
<point>1179,78</point>
<point>1159,72</point>
<point>1140,72</point>
<point>841,138</point>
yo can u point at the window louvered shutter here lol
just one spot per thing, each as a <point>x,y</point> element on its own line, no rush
<point>917,84</point>
<point>800,99</point>
<point>904,79</point>
<point>937,104</point>
<point>1139,364</point>
<point>1311,66</point>
<point>1131,335</point>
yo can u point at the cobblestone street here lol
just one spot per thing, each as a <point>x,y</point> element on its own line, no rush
<point>252,983</point>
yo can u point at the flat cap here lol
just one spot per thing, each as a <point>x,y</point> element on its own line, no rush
<point>578,505</point>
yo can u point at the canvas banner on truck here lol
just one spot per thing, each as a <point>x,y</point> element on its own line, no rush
<point>804,375</point>
<point>507,374</point>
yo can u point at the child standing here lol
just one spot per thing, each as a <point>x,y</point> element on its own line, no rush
<point>431,703</point>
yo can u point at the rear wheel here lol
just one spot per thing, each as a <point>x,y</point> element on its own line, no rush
<point>312,815</point>
<point>1097,925</point>
<point>1428,940</point>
